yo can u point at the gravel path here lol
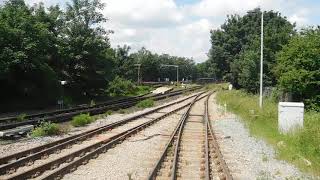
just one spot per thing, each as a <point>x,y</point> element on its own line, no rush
<point>246,156</point>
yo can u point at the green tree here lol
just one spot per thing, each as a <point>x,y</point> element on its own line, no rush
<point>228,54</point>
<point>84,47</point>
<point>298,67</point>
<point>25,54</point>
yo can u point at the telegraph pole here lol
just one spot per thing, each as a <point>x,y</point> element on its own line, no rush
<point>261,62</point>
<point>138,65</point>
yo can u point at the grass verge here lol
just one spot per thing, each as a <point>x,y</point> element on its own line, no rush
<point>301,148</point>
<point>81,120</point>
<point>145,103</point>
<point>46,129</point>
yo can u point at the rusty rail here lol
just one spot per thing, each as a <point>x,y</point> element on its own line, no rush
<point>175,135</point>
<point>222,168</point>
<point>85,154</point>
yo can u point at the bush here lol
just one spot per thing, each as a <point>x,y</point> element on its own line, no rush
<point>140,90</point>
<point>145,103</point>
<point>298,68</point>
<point>21,117</point>
<point>120,87</point>
<point>81,120</point>
<point>46,129</point>
<point>109,112</point>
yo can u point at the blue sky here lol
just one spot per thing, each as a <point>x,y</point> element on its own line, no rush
<point>181,27</point>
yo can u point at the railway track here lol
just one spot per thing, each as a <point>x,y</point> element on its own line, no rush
<point>55,159</point>
<point>192,151</point>
<point>67,114</point>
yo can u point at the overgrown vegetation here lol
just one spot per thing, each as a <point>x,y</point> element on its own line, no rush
<point>81,120</point>
<point>145,103</point>
<point>298,68</point>
<point>21,117</point>
<point>46,129</point>
<point>298,148</point>
<point>120,87</point>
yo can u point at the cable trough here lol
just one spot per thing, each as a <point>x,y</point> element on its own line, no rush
<point>53,160</point>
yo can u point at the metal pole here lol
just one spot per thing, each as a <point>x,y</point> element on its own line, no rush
<point>177,75</point>
<point>261,62</point>
<point>138,75</point>
<point>138,65</point>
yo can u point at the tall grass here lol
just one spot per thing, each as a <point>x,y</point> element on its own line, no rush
<point>299,148</point>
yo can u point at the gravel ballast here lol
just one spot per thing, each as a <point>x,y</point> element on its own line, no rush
<point>27,143</point>
<point>247,156</point>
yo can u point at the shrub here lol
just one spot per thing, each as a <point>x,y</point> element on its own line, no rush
<point>120,87</point>
<point>109,112</point>
<point>46,129</point>
<point>140,90</point>
<point>81,120</point>
<point>145,103</point>
<point>21,117</point>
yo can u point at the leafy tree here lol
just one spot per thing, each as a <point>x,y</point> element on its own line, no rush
<point>125,63</point>
<point>298,67</point>
<point>84,45</point>
<point>120,87</point>
<point>25,43</point>
<point>238,41</point>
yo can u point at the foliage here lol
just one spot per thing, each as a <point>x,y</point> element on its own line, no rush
<point>21,117</point>
<point>26,44</point>
<point>235,50</point>
<point>40,46</point>
<point>81,120</point>
<point>298,68</point>
<point>145,103</point>
<point>46,129</point>
<point>109,112</point>
<point>304,144</point>
<point>120,87</point>
<point>151,69</point>
<point>141,90</point>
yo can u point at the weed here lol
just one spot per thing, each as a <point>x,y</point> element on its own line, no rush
<point>264,157</point>
<point>145,103</point>
<point>81,120</point>
<point>46,129</point>
<point>109,112</point>
<point>121,111</point>
<point>92,103</point>
<point>21,117</point>
<point>129,176</point>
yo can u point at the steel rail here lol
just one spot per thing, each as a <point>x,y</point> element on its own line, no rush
<point>224,172</point>
<point>177,132</point>
<point>98,109</point>
<point>53,112</point>
<point>40,151</point>
<point>207,148</point>
<point>85,153</point>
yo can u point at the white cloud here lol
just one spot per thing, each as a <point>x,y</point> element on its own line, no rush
<point>164,27</point>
